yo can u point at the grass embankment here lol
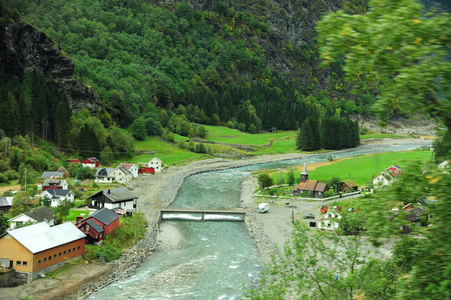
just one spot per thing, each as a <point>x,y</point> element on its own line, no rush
<point>130,230</point>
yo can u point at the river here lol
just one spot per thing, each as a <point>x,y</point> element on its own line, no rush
<point>214,259</point>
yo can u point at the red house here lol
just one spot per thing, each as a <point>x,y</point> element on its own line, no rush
<point>146,170</point>
<point>395,170</point>
<point>58,184</point>
<point>73,160</point>
<point>96,226</point>
<point>90,162</point>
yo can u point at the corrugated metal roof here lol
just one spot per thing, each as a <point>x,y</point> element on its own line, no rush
<point>50,174</point>
<point>6,201</point>
<point>40,237</point>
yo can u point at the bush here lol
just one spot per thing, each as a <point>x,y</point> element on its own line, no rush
<point>110,253</point>
<point>264,181</point>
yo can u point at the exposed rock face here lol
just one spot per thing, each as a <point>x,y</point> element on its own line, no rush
<point>290,22</point>
<point>24,48</point>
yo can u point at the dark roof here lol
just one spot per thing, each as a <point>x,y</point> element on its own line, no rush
<point>6,201</point>
<point>415,214</point>
<point>41,213</point>
<point>104,171</point>
<point>58,192</point>
<point>48,174</point>
<point>117,195</point>
<point>95,226</point>
<point>105,216</point>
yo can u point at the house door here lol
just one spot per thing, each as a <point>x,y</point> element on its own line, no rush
<point>11,264</point>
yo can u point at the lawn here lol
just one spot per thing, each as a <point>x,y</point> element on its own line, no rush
<point>167,152</point>
<point>72,216</point>
<point>226,135</point>
<point>363,168</point>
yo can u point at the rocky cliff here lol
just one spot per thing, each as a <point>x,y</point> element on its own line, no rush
<point>24,47</point>
<point>290,42</point>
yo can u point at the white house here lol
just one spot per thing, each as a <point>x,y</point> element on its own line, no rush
<point>444,165</point>
<point>118,198</point>
<point>330,219</point>
<point>121,175</point>
<point>132,168</point>
<point>36,215</point>
<point>155,163</point>
<point>103,175</point>
<point>383,179</point>
<point>58,196</point>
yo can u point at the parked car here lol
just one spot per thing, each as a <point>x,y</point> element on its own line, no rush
<point>309,216</point>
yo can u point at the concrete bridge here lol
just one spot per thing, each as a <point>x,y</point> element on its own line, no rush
<point>203,212</point>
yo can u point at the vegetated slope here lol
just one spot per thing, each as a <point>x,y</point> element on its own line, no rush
<point>138,56</point>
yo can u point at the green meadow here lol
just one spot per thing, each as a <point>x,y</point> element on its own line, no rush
<point>220,134</point>
<point>169,153</point>
<point>362,169</point>
<point>263,143</point>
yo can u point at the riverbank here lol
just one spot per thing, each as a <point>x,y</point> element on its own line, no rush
<point>156,192</point>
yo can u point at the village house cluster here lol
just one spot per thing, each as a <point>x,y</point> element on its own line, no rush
<point>33,245</point>
<point>330,218</point>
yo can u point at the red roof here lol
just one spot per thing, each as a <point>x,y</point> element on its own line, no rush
<point>312,185</point>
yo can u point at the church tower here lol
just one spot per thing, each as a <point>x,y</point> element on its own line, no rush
<point>304,174</point>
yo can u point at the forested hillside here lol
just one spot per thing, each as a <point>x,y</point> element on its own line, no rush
<point>138,56</point>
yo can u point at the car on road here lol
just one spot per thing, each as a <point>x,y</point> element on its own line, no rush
<point>309,216</point>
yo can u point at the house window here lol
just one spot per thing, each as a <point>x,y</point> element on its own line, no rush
<point>78,248</point>
<point>59,254</point>
<point>54,256</point>
<point>18,263</point>
<point>50,258</point>
<point>73,250</point>
<point>24,263</point>
<point>68,251</point>
<point>39,261</point>
<point>64,252</point>
<point>45,259</point>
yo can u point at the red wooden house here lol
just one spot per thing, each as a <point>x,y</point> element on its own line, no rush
<point>146,170</point>
<point>59,184</point>
<point>96,226</point>
<point>91,162</point>
<point>395,170</point>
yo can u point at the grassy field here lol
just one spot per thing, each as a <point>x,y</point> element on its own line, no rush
<point>362,169</point>
<point>265,143</point>
<point>221,134</point>
<point>170,154</point>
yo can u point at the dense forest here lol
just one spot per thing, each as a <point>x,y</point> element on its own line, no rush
<point>139,56</point>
